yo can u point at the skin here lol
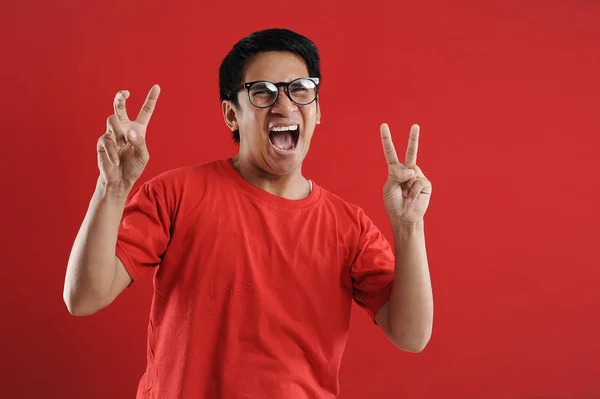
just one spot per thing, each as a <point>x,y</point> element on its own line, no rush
<point>95,276</point>
<point>407,319</point>
<point>257,161</point>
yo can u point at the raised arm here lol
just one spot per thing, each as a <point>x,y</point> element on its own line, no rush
<point>95,276</point>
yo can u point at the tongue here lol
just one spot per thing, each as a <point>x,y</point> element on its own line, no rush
<point>282,140</point>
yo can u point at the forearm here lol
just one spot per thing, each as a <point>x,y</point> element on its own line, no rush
<point>92,263</point>
<point>411,302</point>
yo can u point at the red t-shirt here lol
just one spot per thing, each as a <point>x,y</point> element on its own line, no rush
<point>252,292</point>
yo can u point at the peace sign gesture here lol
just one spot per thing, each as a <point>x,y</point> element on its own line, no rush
<point>407,191</point>
<point>122,152</point>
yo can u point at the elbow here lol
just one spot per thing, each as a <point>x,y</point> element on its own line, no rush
<point>78,307</point>
<point>413,347</point>
<point>412,344</point>
<point>74,308</point>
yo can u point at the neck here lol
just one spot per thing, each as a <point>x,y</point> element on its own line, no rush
<point>292,186</point>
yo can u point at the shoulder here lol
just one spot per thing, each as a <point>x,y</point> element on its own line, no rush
<point>187,174</point>
<point>344,209</point>
<point>175,183</point>
<point>355,228</point>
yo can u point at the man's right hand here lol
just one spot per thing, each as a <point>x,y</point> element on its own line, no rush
<point>122,151</point>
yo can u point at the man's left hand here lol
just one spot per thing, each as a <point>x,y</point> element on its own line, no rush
<point>407,191</point>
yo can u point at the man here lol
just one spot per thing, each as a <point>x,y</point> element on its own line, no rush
<point>258,266</point>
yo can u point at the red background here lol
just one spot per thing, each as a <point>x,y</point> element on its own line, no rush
<point>506,94</point>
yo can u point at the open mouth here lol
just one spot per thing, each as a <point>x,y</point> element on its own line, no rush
<point>284,138</point>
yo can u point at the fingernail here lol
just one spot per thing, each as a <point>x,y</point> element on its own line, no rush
<point>133,134</point>
<point>408,172</point>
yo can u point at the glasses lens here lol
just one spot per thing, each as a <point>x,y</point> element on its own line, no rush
<point>303,91</point>
<point>263,94</point>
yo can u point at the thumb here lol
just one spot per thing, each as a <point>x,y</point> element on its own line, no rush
<point>403,175</point>
<point>139,145</point>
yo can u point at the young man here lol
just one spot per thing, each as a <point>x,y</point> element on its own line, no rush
<point>257,266</point>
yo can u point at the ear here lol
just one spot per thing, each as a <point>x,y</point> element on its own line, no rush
<point>230,115</point>
<point>318,113</point>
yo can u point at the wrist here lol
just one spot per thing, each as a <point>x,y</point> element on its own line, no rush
<point>408,229</point>
<point>117,191</point>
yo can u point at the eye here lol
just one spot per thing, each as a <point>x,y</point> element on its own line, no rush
<point>262,92</point>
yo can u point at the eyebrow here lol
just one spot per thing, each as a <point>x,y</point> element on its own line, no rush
<point>275,81</point>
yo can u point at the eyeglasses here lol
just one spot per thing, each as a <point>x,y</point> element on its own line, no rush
<point>263,94</point>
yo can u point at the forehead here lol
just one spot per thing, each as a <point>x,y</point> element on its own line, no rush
<point>275,66</point>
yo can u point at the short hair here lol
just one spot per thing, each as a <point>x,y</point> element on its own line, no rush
<point>232,67</point>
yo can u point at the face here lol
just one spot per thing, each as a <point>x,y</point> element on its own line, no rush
<point>267,136</point>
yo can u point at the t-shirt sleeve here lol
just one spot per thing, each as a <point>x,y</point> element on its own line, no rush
<point>372,270</point>
<point>144,231</point>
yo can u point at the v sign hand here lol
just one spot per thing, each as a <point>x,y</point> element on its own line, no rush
<point>122,151</point>
<point>407,191</point>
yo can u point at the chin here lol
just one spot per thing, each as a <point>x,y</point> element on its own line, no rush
<point>282,166</point>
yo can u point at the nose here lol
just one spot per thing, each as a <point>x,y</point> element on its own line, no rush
<point>283,106</point>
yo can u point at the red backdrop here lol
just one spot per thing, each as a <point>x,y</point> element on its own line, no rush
<point>506,94</point>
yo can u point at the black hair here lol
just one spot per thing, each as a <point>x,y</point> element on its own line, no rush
<point>232,67</point>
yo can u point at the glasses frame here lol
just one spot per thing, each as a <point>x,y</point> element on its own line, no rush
<point>286,89</point>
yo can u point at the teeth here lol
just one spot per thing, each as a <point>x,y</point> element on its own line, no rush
<point>284,128</point>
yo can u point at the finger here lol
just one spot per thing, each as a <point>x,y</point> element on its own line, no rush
<point>106,147</point>
<point>388,146</point>
<point>418,171</point>
<point>411,182</point>
<point>421,186</point>
<point>139,145</point>
<point>119,105</point>
<point>413,146</point>
<point>418,174</point>
<point>402,175</point>
<point>114,126</point>
<point>408,185</point>
<point>148,107</point>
